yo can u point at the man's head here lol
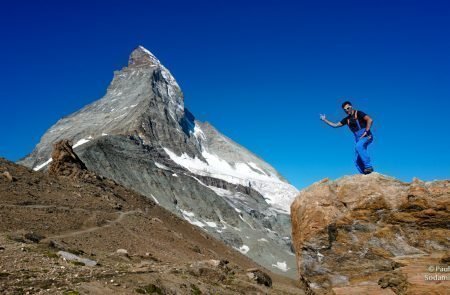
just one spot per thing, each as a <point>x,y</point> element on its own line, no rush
<point>347,107</point>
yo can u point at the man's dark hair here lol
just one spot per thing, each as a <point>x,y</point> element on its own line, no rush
<point>346,103</point>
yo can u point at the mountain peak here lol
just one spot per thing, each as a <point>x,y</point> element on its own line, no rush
<point>142,56</point>
<point>141,135</point>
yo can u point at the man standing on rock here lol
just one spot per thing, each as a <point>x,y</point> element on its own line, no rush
<point>359,123</point>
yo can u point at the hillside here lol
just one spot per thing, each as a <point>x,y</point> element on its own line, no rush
<point>137,245</point>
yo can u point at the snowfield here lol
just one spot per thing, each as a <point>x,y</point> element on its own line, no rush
<point>277,193</point>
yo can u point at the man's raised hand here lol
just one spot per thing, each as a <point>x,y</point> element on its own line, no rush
<point>322,117</point>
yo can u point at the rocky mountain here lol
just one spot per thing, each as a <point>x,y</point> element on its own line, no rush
<point>141,135</point>
<point>372,234</point>
<point>71,231</point>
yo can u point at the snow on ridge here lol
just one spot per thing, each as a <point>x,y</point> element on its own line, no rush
<point>194,222</point>
<point>156,200</point>
<point>147,51</point>
<point>198,132</point>
<point>211,223</point>
<point>161,166</point>
<point>281,266</point>
<point>225,224</point>
<point>242,218</point>
<point>277,193</point>
<point>189,216</point>
<point>77,144</point>
<point>254,166</point>
<point>81,142</point>
<point>40,166</point>
<point>187,213</point>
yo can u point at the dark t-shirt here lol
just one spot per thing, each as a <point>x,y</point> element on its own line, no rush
<point>350,120</point>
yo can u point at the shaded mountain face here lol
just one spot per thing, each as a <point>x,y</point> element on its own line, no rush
<point>141,135</point>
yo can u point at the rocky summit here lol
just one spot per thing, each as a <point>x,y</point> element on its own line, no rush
<point>372,234</point>
<point>141,135</point>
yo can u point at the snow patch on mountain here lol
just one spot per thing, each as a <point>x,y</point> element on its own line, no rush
<point>190,217</point>
<point>39,167</point>
<point>198,133</point>
<point>243,249</point>
<point>277,193</point>
<point>211,223</point>
<point>155,199</point>
<point>77,144</point>
<point>81,142</point>
<point>161,166</point>
<point>281,266</point>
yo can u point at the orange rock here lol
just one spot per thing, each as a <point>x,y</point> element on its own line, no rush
<point>362,234</point>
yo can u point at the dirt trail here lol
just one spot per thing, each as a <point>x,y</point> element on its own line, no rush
<point>93,228</point>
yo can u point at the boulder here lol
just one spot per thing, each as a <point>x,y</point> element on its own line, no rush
<point>259,276</point>
<point>34,237</point>
<point>8,176</point>
<point>123,253</point>
<point>76,259</point>
<point>352,234</point>
<point>66,163</point>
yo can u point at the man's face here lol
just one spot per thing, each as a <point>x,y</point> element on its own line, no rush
<point>348,109</point>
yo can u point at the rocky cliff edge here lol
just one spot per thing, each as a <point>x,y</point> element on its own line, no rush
<point>373,234</point>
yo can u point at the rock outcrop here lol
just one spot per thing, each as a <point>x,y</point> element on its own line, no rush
<point>65,162</point>
<point>372,234</point>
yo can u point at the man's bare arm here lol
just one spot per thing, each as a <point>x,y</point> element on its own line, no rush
<point>369,122</point>
<point>335,125</point>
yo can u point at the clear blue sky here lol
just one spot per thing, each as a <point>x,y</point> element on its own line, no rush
<point>261,72</point>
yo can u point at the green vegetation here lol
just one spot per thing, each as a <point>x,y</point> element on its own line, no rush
<point>79,263</point>
<point>51,254</point>
<point>149,289</point>
<point>195,290</point>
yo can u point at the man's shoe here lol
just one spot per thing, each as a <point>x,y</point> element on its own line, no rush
<point>368,170</point>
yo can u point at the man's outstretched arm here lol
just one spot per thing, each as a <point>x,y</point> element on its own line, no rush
<point>335,125</point>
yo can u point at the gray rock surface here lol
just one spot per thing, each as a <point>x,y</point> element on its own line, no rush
<point>72,257</point>
<point>141,135</point>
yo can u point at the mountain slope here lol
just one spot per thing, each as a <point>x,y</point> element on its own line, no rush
<point>136,244</point>
<point>141,135</point>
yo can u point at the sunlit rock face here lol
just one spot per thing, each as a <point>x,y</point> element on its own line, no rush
<point>372,234</point>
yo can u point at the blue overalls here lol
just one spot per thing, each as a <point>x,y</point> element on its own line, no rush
<point>362,160</point>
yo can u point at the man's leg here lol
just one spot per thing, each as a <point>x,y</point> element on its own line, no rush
<point>361,150</point>
<point>359,163</point>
